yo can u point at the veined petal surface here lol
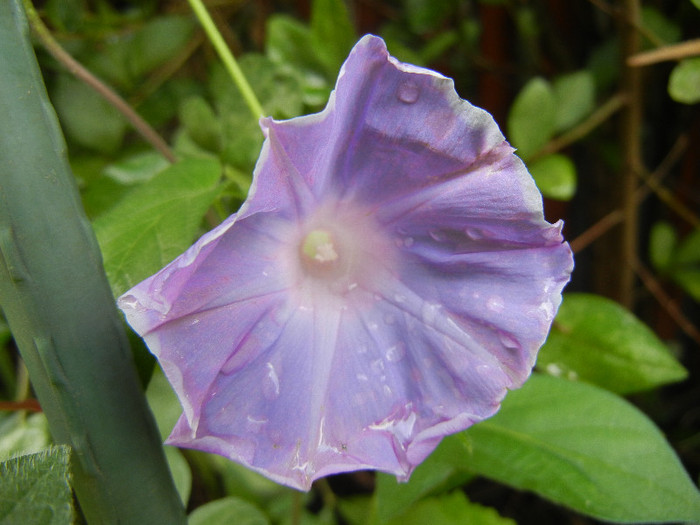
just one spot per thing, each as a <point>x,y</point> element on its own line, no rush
<point>389,277</point>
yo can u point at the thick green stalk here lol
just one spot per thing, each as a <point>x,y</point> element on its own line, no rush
<point>59,306</point>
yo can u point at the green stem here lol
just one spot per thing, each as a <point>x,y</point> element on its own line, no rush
<point>227,58</point>
<point>61,311</point>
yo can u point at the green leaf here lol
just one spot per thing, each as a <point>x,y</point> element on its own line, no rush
<point>686,264</point>
<point>20,434</point>
<point>156,221</point>
<point>288,41</point>
<point>226,511</point>
<point>427,15</point>
<point>531,120</point>
<point>696,3</point>
<point>555,176</point>
<point>684,82</point>
<point>662,243</point>
<point>86,117</point>
<point>575,98</point>
<point>450,509</point>
<point>36,488</point>
<point>201,124</point>
<point>180,470</point>
<point>596,340</point>
<point>393,498</point>
<point>585,448</point>
<point>136,168</point>
<point>157,41</point>
<point>332,33</point>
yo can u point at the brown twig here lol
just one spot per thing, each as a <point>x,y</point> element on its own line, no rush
<point>666,53</point>
<point>615,217</point>
<point>666,302</point>
<point>77,69</point>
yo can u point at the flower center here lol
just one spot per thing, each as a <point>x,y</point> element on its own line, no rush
<point>319,253</point>
<point>318,246</point>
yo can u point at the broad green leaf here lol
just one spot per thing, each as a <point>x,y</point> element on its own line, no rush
<point>226,511</point>
<point>696,3</point>
<point>393,498</point>
<point>449,509</point>
<point>20,434</point>
<point>36,488</point>
<point>655,21</point>
<point>163,402</point>
<point>332,33</point>
<point>136,168</point>
<point>555,176</point>
<point>157,41</point>
<point>585,448</point>
<point>180,470</point>
<point>156,222</point>
<point>684,82</point>
<point>201,124</point>
<point>575,98</point>
<point>596,340</point>
<point>531,119</point>
<point>288,41</point>
<point>427,15</point>
<point>356,510</point>
<point>686,264</point>
<point>662,243</point>
<point>86,117</point>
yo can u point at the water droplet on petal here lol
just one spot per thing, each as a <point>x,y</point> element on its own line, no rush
<point>377,366</point>
<point>437,235</point>
<point>271,383</point>
<point>400,298</point>
<point>408,92</point>
<point>387,390</point>
<point>408,242</point>
<point>496,304</point>
<point>396,353</point>
<point>429,313</point>
<point>509,341</point>
<point>474,234</point>
<point>255,423</point>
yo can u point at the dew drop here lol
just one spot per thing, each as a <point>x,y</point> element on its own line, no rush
<point>496,304</point>
<point>362,377</point>
<point>400,298</point>
<point>554,369</point>
<point>483,369</point>
<point>387,390</point>
<point>396,353</point>
<point>474,234</point>
<point>408,242</point>
<point>509,341</point>
<point>429,313</point>
<point>377,366</point>
<point>437,235</point>
<point>408,92</point>
<point>255,423</point>
<point>271,383</point>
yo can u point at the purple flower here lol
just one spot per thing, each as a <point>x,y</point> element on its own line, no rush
<point>389,277</point>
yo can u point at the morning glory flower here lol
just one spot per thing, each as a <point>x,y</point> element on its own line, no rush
<point>388,279</point>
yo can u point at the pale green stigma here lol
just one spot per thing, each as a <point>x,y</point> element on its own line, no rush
<point>318,246</point>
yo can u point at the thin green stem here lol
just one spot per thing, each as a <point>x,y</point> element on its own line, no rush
<point>227,58</point>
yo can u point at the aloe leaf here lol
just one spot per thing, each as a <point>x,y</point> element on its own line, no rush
<point>59,306</point>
